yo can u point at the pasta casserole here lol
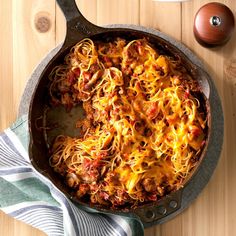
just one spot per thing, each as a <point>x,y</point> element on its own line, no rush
<point>144,128</point>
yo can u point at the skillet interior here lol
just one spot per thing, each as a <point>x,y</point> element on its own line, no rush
<point>39,117</point>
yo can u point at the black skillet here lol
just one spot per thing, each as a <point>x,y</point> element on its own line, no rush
<point>42,117</point>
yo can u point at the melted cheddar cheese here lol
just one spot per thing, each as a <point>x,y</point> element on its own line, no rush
<point>144,128</point>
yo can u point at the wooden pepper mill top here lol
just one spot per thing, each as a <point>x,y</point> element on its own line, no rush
<point>213,24</point>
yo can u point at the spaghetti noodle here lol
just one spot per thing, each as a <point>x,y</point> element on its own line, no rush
<point>144,127</point>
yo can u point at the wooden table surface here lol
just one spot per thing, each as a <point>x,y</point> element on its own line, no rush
<point>31,28</point>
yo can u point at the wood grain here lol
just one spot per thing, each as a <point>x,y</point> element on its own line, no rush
<point>24,45</point>
<point>117,12</point>
<point>30,44</point>
<point>6,65</point>
<point>163,16</point>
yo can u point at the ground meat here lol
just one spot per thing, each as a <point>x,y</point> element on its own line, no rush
<point>72,180</point>
<point>149,185</point>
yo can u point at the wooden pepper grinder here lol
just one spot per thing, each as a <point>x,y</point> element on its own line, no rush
<point>213,24</point>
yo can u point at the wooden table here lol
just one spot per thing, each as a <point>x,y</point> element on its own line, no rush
<point>30,28</point>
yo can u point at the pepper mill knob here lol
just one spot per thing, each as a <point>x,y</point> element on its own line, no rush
<point>213,24</point>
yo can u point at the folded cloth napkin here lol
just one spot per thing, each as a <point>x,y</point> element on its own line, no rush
<point>28,196</point>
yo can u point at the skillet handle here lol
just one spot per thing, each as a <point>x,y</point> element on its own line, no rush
<point>78,26</point>
<point>69,9</point>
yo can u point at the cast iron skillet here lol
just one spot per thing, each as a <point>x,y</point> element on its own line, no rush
<point>41,116</point>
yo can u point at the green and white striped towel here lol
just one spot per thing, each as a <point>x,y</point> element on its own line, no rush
<point>28,196</point>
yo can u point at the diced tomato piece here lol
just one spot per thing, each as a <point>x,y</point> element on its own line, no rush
<point>104,195</point>
<point>83,189</point>
<point>70,77</point>
<point>186,94</point>
<point>93,174</point>
<point>87,76</point>
<point>77,71</point>
<point>96,163</point>
<point>195,131</point>
<point>102,154</point>
<point>87,163</point>
<point>132,122</point>
<point>107,59</point>
<point>171,119</point>
<point>203,143</point>
<point>152,197</point>
<point>70,170</point>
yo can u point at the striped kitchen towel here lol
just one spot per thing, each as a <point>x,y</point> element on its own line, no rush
<point>28,196</point>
